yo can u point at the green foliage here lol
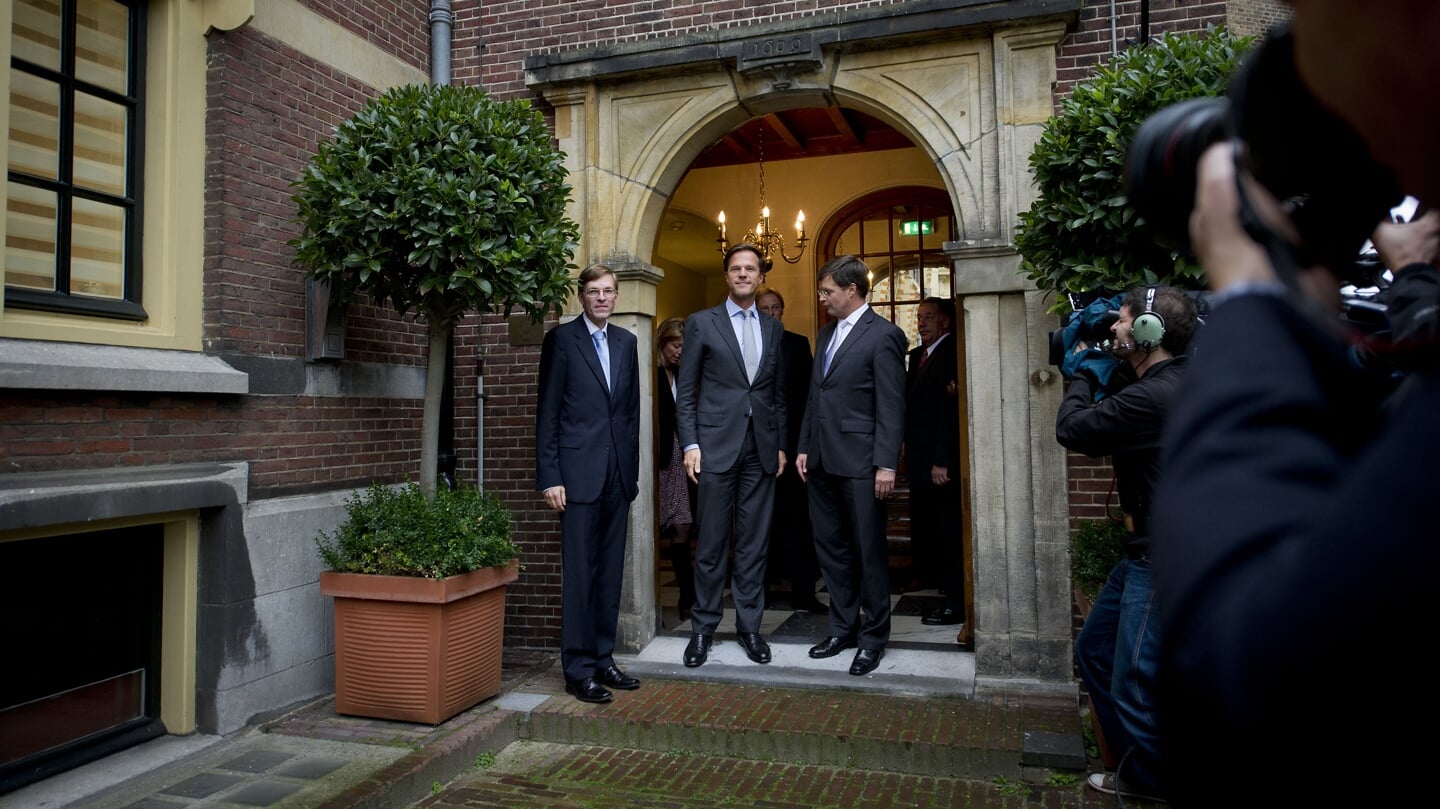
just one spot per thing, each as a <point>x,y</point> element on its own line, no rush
<point>1081,234</point>
<point>1062,779</point>
<point>400,532</point>
<point>1095,548</point>
<point>485,760</point>
<point>440,198</point>
<point>1008,787</point>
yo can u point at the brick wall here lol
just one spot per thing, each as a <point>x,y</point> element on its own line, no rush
<point>1090,44</point>
<point>532,603</point>
<point>495,47</point>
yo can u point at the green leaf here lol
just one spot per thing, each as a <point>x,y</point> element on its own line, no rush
<point>1081,233</point>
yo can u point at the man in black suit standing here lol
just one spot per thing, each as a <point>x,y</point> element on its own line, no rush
<point>730,412</point>
<point>792,546</point>
<point>587,464</point>
<point>932,457</point>
<point>849,450</point>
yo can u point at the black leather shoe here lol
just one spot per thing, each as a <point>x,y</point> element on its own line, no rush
<point>944,616</point>
<point>615,678</point>
<point>810,604</point>
<point>587,690</point>
<point>755,647</point>
<point>697,650</point>
<point>831,647</point>
<point>865,661</point>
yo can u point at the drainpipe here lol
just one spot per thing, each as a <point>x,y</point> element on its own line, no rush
<point>1114,37</point>
<point>442,21</point>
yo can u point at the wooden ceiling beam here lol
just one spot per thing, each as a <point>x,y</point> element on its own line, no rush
<point>784,132</point>
<point>842,125</point>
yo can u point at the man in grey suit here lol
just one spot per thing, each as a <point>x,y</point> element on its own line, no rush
<point>587,463</point>
<point>730,413</point>
<point>848,452</point>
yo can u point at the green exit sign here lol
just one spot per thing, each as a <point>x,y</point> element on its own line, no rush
<point>917,227</point>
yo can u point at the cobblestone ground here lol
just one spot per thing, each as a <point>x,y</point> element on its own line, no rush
<point>541,775</point>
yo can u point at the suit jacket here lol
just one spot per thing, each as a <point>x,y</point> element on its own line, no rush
<point>579,424</point>
<point>665,419</point>
<point>932,412</point>
<point>713,393</point>
<point>795,350</point>
<point>855,419</point>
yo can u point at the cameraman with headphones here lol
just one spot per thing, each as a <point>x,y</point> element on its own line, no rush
<point>1296,540</point>
<point>1116,649</point>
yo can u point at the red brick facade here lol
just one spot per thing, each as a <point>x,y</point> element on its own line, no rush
<point>268,108</point>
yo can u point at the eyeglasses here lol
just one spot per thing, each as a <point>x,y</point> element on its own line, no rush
<point>607,292</point>
<point>825,293</point>
<point>769,309</point>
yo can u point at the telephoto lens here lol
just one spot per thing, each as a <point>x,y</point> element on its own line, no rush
<point>1160,168</point>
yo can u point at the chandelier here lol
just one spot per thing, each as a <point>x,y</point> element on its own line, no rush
<point>771,243</point>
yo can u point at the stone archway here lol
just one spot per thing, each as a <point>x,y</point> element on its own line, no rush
<point>974,99</point>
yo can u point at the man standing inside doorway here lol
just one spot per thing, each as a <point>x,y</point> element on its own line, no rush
<point>792,545</point>
<point>932,460</point>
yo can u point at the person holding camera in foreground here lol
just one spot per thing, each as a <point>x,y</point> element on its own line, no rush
<point>1116,649</point>
<point>1296,544</point>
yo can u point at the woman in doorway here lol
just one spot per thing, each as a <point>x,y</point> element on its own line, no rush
<point>675,498</point>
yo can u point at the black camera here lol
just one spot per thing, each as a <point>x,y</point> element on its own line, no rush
<point>1288,141</point>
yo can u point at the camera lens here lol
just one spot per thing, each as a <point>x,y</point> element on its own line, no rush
<point>1160,166</point>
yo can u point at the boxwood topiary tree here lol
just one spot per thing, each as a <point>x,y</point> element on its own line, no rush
<point>442,200</point>
<point>1081,234</point>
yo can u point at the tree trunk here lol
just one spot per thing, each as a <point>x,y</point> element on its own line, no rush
<point>434,390</point>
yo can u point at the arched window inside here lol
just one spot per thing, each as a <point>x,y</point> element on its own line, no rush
<point>899,233</point>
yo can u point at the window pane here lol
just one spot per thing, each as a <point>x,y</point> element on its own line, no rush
<point>34,125</point>
<point>30,238</point>
<point>101,43</point>
<point>99,145</point>
<point>877,234</point>
<point>35,33</point>
<point>97,250</point>
<point>849,242</point>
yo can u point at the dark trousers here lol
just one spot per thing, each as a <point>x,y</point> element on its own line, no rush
<point>854,557</point>
<point>592,563</point>
<point>937,537</point>
<point>792,540</point>
<point>737,499</point>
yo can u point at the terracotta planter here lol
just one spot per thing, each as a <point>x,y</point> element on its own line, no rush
<point>415,649</point>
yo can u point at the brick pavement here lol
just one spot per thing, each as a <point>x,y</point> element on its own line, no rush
<point>674,743</point>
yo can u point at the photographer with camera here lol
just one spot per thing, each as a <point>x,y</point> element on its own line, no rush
<point>1295,523</point>
<point>1116,649</point>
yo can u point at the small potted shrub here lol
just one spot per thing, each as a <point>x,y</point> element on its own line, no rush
<point>1095,548</point>
<point>419,588</point>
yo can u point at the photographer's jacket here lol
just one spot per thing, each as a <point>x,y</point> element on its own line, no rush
<point>1126,425</point>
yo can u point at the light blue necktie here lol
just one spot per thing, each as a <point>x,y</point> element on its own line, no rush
<point>749,344</point>
<point>840,329</point>
<point>603,350</point>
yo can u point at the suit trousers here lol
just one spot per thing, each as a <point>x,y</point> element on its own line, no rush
<point>936,537</point>
<point>854,556</point>
<point>738,499</point>
<point>792,541</point>
<point>592,563</point>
